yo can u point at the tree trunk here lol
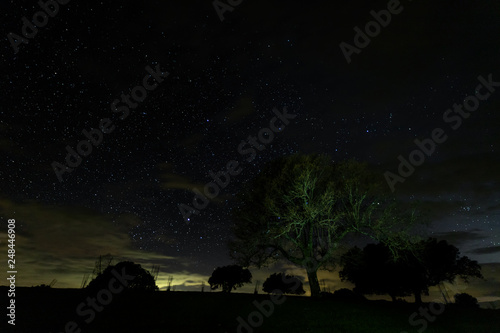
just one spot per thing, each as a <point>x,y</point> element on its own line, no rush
<point>312,276</point>
<point>393,298</point>
<point>418,297</point>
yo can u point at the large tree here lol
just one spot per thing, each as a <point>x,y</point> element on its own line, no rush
<point>440,262</point>
<point>302,207</point>
<point>229,278</point>
<point>374,270</point>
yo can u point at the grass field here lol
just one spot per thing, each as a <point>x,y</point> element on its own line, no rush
<point>48,310</point>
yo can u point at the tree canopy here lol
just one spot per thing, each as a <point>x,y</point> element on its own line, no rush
<point>142,279</point>
<point>302,207</point>
<point>466,300</point>
<point>428,263</point>
<point>229,278</point>
<point>286,284</point>
<point>374,271</point>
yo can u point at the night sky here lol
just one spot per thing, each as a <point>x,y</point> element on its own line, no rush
<point>221,83</point>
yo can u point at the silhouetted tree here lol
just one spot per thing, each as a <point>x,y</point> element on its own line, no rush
<point>142,280</point>
<point>347,295</point>
<point>466,300</point>
<point>169,282</point>
<point>302,207</point>
<point>44,286</point>
<point>287,284</point>
<point>440,262</point>
<point>427,263</point>
<point>256,289</point>
<point>229,278</point>
<point>374,271</point>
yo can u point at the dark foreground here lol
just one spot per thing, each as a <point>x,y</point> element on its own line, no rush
<point>50,310</point>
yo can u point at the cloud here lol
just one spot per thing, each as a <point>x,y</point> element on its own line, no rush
<point>63,242</point>
<point>173,181</point>
<point>486,250</point>
<point>457,238</point>
<point>488,287</point>
<point>474,174</point>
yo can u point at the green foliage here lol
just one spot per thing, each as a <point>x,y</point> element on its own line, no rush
<point>302,207</point>
<point>229,278</point>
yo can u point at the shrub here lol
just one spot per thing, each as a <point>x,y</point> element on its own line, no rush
<point>465,300</point>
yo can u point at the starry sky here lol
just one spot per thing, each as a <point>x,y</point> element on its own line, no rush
<point>219,82</point>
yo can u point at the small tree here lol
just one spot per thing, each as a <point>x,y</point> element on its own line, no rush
<point>169,282</point>
<point>347,295</point>
<point>143,280</point>
<point>287,284</point>
<point>229,278</point>
<point>466,300</point>
<point>256,289</point>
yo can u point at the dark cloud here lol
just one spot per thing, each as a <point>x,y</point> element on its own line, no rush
<point>486,250</point>
<point>458,238</point>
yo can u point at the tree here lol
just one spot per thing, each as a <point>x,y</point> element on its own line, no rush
<point>229,278</point>
<point>143,280</point>
<point>347,295</point>
<point>256,289</point>
<point>427,263</point>
<point>302,207</point>
<point>440,262</point>
<point>373,270</point>
<point>466,300</point>
<point>46,286</point>
<point>169,282</point>
<point>286,284</point>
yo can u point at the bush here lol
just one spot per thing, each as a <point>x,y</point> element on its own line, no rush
<point>287,284</point>
<point>347,295</point>
<point>465,300</point>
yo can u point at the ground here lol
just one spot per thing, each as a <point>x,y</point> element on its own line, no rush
<point>49,310</point>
